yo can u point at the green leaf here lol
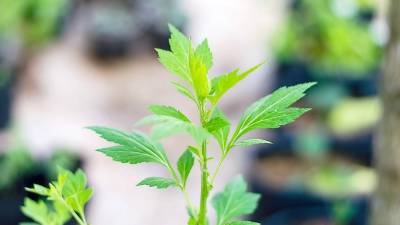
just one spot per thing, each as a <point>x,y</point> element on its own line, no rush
<point>37,211</point>
<point>198,72</point>
<point>38,189</point>
<point>174,64</point>
<point>68,193</point>
<point>221,84</point>
<point>189,64</point>
<point>158,182</point>
<point>273,110</point>
<point>184,91</point>
<point>134,147</point>
<point>75,192</point>
<point>180,45</point>
<point>243,223</point>
<point>165,126</point>
<point>216,123</point>
<point>275,119</point>
<point>177,60</point>
<point>163,110</point>
<point>185,164</point>
<point>219,127</point>
<point>194,150</point>
<point>204,53</point>
<point>44,215</point>
<point>234,201</point>
<point>61,213</point>
<point>250,142</point>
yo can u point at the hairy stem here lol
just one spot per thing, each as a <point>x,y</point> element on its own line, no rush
<point>204,187</point>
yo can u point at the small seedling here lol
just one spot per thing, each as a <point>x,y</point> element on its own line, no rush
<point>65,198</point>
<point>191,65</point>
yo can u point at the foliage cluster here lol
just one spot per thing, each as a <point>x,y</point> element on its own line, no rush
<point>191,65</point>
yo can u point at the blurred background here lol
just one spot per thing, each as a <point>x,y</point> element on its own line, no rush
<point>68,64</point>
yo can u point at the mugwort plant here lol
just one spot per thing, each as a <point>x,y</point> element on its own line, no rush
<point>191,65</point>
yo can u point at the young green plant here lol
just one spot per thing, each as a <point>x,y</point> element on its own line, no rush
<point>191,65</point>
<point>65,198</point>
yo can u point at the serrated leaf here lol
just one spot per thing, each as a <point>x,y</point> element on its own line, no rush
<point>37,211</point>
<point>273,110</point>
<point>158,182</point>
<point>174,64</point>
<point>189,64</point>
<point>68,193</point>
<point>234,201</point>
<point>204,53</point>
<point>185,164</point>
<point>279,118</point>
<point>184,91</point>
<point>163,110</point>
<point>44,215</point>
<point>221,84</point>
<point>243,223</point>
<point>180,45</point>
<point>250,142</point>
<point>61,213</point>
<point>219,127</point>
<point>38,189</point>
<point>177,60</point>
<point>134,147</point>
<point>75,192</point>
<point>165,126</point>
<point>198,72</point>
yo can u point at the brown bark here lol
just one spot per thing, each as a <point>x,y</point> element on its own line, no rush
<point>386,201</point>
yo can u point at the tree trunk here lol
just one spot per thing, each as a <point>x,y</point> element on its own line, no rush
<point>386,202</point>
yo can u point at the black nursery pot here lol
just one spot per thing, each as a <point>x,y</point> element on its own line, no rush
<point>290,73</point>
<point>288,207</point>
<point>299,207</point>
<point>160,37</point>
<point>294,72</point>
<point>12,198</point>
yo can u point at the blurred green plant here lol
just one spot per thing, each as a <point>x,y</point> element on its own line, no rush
<point>34,20</point>
<point>329,39</point>
<point>345,119</point>
<point>64,198</point>
<point>15,163</point>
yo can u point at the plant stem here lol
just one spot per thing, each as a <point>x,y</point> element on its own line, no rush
<point>74,215</point>
<point>181,185</point>
<point>214,175</point>
<point>204,187</point>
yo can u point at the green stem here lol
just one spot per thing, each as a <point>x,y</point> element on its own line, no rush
<point>187,198</point>
<point>181,185</point>
<point>73,213</point>
<point>214,175</point>
<point>204,187</point>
